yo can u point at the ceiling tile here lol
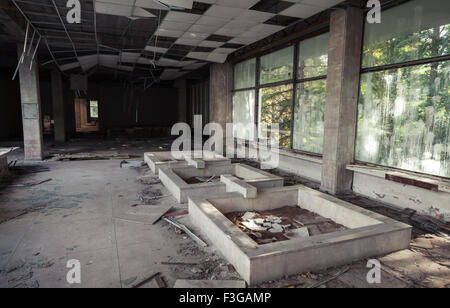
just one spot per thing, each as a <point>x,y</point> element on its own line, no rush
<point>187,41</point>
<point>301,11</point>
<point>182,17</point>
<point>187,4</point>
<point>203,29</point>
<point>195,35</point>
<point>170,25</point>
<point>211,21</point>
<point>198,55</point>
<point>223,11</point>
<point>243,4</point>
<point>255,16</point>
<point>211,44</point>
<point>170,33</point>
<point>229,32</point>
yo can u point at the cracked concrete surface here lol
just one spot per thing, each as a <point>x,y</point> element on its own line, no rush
<point>71,217</point>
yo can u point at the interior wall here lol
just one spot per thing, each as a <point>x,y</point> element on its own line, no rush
<point>123,106</point>
<point>10,109</point>
<point>157,106</point>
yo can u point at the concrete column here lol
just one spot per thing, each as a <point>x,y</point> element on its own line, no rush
<point>346,32</point>
<point>31,107</point>
<point>221,96</point>
<point>221,86</point>
<point>58,107</point>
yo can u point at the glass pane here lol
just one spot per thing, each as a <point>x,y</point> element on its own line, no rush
<point>245,74</point>
<point>404,118</point>
<point>93,109</point>
<point>309,116</point>
<point>277,66</point>
<point>415,30</point>
<point>313,57</point>
<point>276,107</point>
<point>244,114</point>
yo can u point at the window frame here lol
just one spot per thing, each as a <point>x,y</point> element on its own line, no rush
<point>295,81</point>
<point>387,67</point>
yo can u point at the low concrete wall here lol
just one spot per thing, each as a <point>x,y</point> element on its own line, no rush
<point>372,236</point>
<point>427,202</point>
<point>308,167</point>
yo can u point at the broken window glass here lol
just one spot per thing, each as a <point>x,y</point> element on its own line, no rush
<point>275,108</point>
<point>277,66</point>
<point>404,118</point>
<point>244,114</point>
<point>245,74</point>
<point>309,116</point>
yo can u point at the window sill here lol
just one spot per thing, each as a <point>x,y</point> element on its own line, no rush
<point>295,154</point>
<point>403,177</point>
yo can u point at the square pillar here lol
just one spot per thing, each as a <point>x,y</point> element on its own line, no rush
<point>31,107</point>
<point>58,107</point>
<point>345,48</point>
<point>221,96</point>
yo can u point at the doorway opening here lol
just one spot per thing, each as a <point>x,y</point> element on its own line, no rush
<point>86,116</point>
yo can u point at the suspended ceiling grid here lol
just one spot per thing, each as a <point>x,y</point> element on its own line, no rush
<point>162,40</point>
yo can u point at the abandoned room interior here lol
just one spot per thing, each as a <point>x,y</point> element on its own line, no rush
<point>225,144</point>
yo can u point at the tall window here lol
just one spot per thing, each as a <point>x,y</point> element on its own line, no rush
<point>244,100</point>
<point>404,108</point>
<point>275,100</point>
<point>290,90</point>
<point>311,94</point>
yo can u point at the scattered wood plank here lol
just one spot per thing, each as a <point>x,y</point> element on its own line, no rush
<point>187,231</point>
<point>176,214</point>
<point>145,281</point>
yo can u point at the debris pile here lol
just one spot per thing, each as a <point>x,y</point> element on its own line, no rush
<point>290,222</point>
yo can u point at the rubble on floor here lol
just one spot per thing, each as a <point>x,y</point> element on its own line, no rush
<point>200,180</point>
<point>286,223</point>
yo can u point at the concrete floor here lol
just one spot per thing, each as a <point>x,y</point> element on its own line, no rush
<point>71,217</point>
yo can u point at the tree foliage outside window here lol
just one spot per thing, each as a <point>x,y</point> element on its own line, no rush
<point>313,57</point>
<point>244,114</point>
<point>309,116</point>
<point>276,107</point>
<point>93,109</point>
<point>244,74</point>
<point>416,30</point>
<point>277,66</point>
<point>404,113</point>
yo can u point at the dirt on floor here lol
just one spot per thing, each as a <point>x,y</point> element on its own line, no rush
<point>289,218</point>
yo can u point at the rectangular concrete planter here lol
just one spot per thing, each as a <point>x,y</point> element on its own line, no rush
<point>368,235</point>
<point>173,178</point>
<point>155,160</point>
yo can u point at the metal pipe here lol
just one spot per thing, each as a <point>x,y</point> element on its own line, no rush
<point>35,51</point>
<point>31,43</point>
<point>67,33</point>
